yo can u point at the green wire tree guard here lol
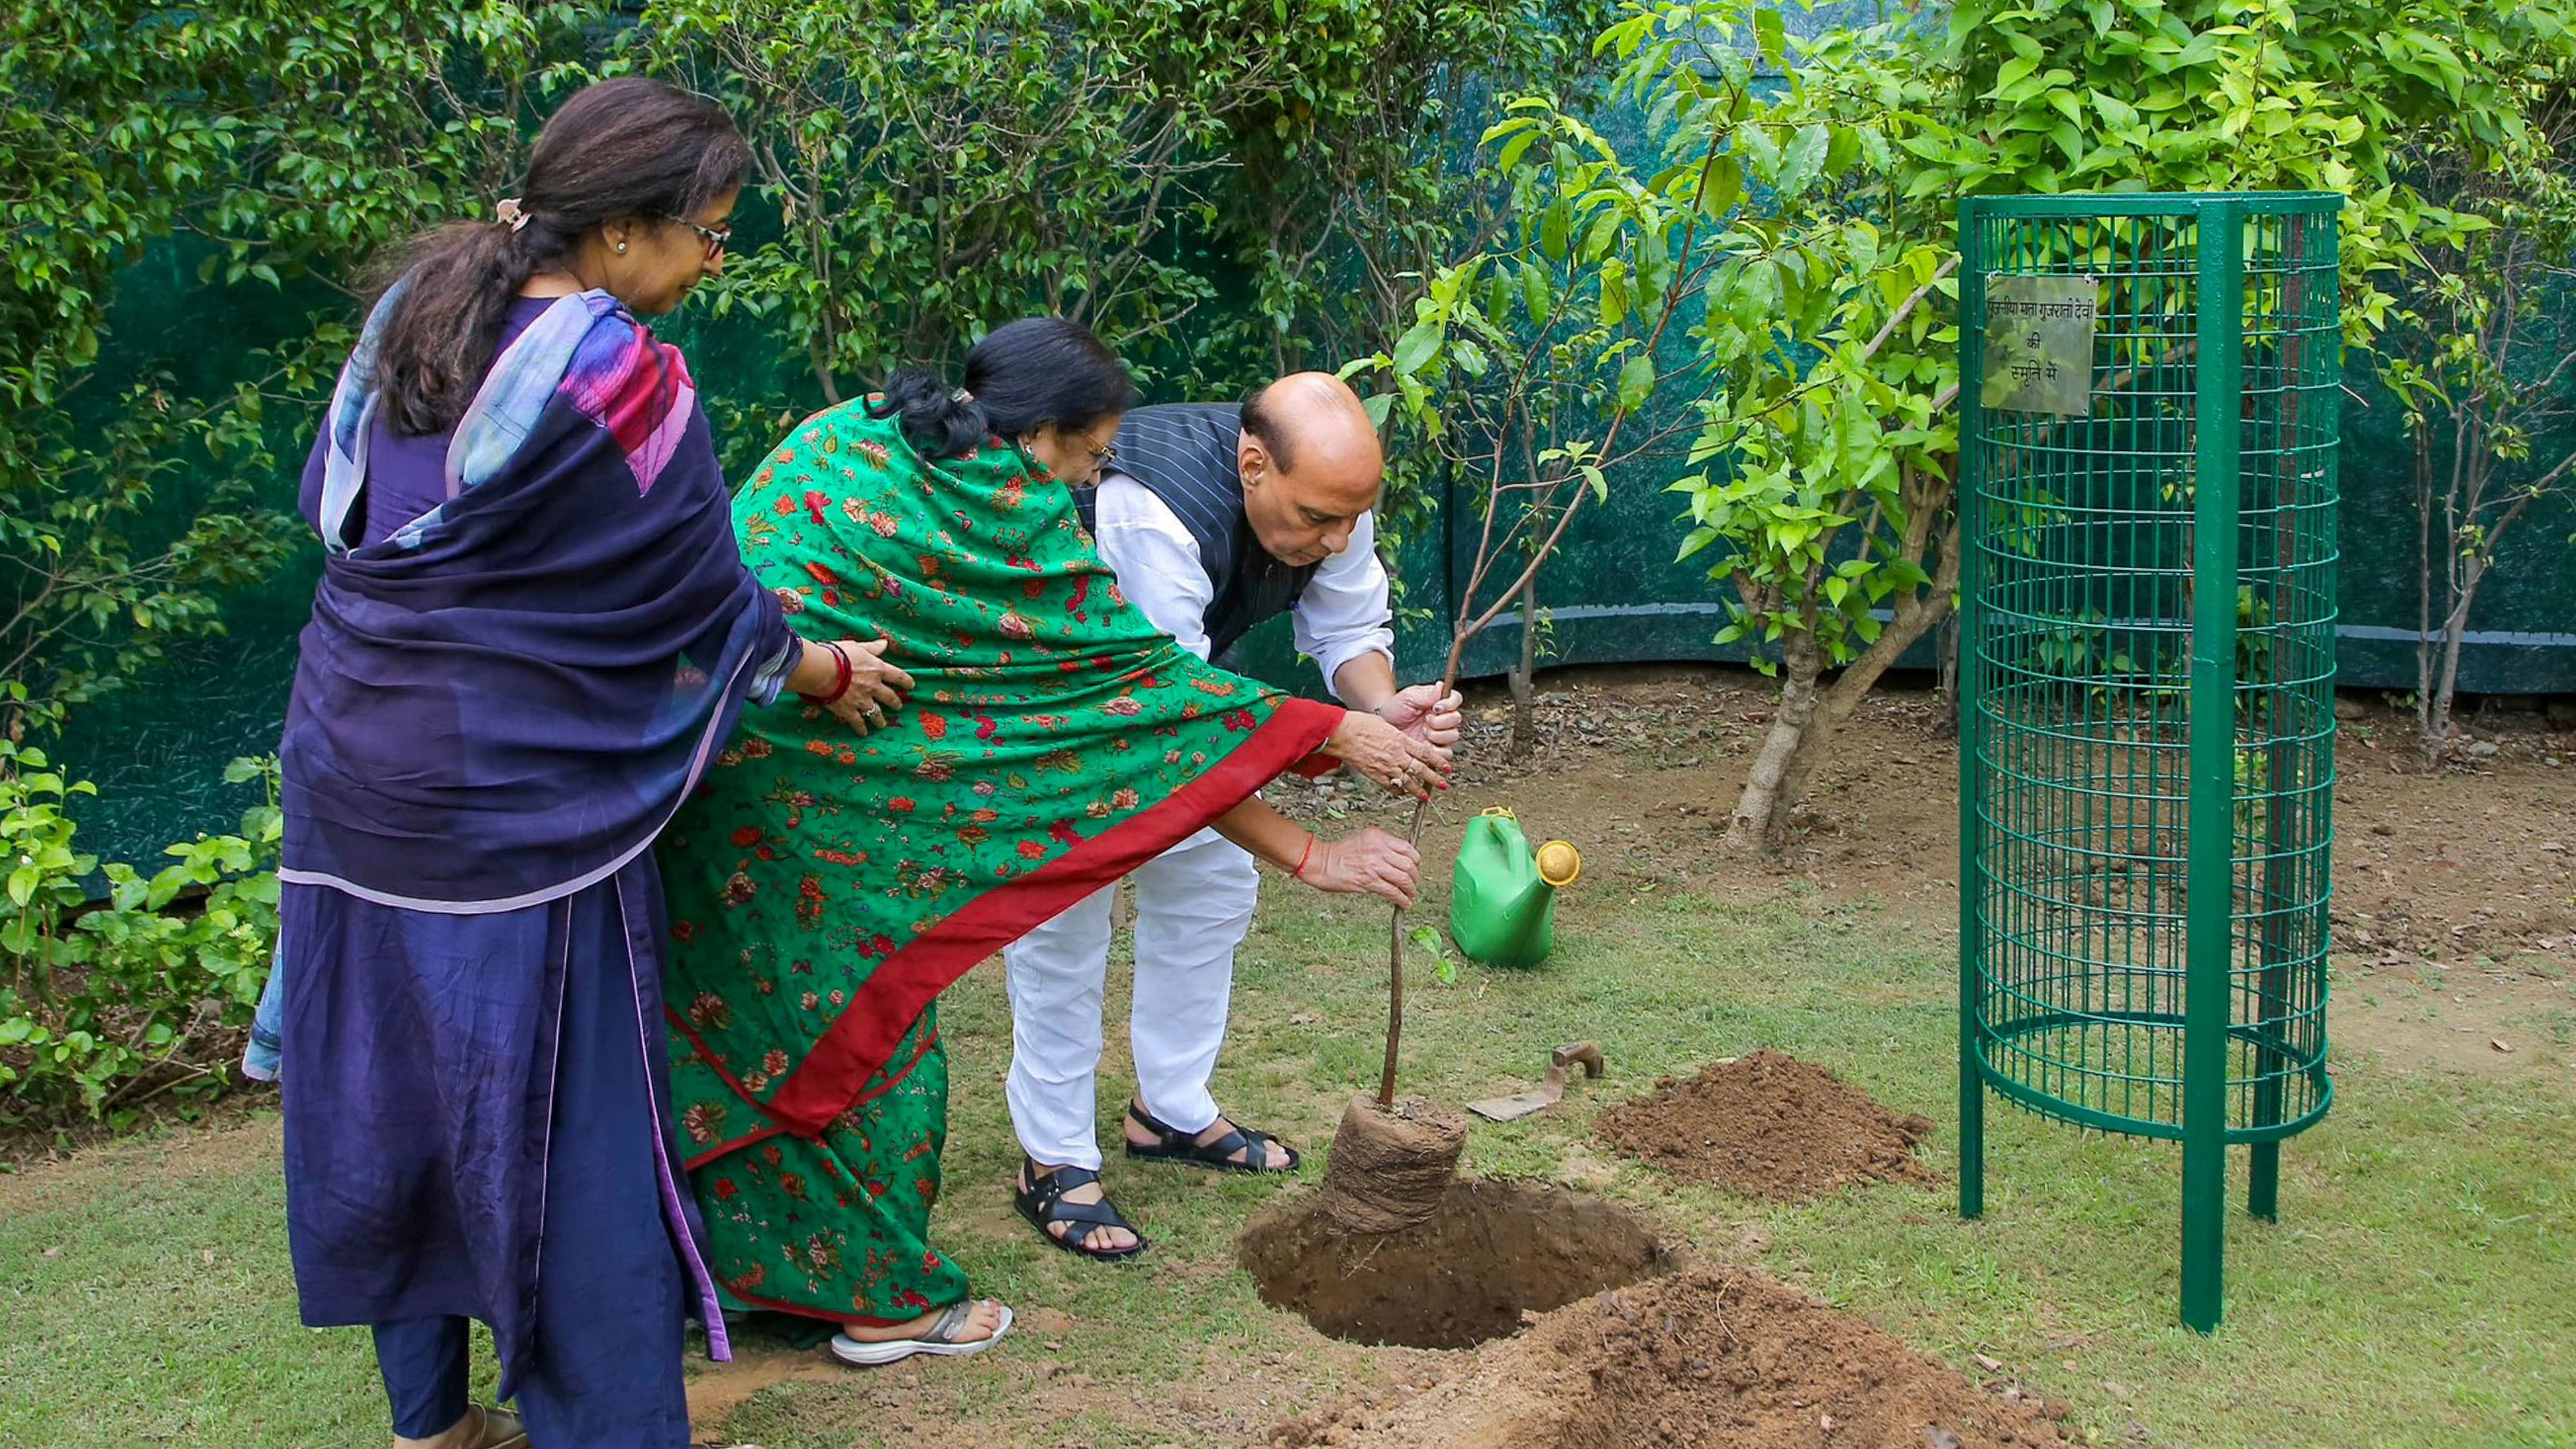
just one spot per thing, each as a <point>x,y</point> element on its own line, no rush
<point>2150,401</point>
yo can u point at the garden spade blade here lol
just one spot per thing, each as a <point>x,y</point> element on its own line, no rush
<point>1547,1094</point>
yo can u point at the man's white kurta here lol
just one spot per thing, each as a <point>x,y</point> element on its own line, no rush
<point>1194,902</point>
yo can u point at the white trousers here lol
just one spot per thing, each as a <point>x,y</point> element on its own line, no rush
<point>1194,905</point>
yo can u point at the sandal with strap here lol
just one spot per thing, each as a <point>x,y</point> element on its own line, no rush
<point>1042,1202</point>
<point>939,1339</point>
<point>1174,1145</point>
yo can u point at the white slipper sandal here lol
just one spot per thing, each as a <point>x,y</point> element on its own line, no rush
<point>940,1340</point>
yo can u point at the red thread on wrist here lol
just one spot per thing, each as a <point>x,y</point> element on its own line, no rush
<point>1300,871</point>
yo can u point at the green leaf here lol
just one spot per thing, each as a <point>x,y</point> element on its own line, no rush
<point>1723,188</point>
<point>1416,348</point>
<point>1636,382</point>
<point>1770,35</point>
<point>2118,114</point>
<point>1535,296</point>
<point>1804,158</point>
<point>1553,225</point>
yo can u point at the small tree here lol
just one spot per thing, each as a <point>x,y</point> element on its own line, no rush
<point>2484,360</point>
<point>941,167</point>
<point>1536,370</point>
<point>1829,506</point>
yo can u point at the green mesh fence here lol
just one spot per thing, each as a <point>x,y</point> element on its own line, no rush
<point>2151,399</point>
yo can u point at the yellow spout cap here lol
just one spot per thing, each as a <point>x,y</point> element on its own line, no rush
<point>1559,863</point>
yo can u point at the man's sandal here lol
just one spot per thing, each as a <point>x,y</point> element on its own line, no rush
<point>939,1339</point>
<point>1173,1145</point>
<point>1041,1200</point>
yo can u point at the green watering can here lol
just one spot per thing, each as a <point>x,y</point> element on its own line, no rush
<point>1502,896</point>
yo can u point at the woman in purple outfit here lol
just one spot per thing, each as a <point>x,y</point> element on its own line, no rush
<point>532,629</point>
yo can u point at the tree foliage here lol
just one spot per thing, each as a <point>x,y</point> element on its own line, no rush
<point>279,145</point>
<point>1823,357</point>
<point>1210,187</point>
<point>2482,355</point>
<point>105,1005</point>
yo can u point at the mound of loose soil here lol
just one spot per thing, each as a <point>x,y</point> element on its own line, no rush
<point>1768,1126</point>
<point>1716,1358</point>
<point>1488,1253</point>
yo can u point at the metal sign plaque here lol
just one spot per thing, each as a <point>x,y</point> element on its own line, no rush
<point>2039,344</point>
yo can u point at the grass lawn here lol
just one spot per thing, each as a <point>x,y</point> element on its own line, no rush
<point>2420,1288</point>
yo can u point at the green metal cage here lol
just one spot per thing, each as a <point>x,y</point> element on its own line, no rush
<point>2150,403</point>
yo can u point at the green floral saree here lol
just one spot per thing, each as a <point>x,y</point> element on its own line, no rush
<point>824,887</point>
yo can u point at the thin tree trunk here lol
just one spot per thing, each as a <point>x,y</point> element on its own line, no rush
<point>2425,739</point>
<point>2454,629</point>
<point>1524,733</point>
<point>1803,730</point>
<point>1760,814</point>
<point>1842,700</point>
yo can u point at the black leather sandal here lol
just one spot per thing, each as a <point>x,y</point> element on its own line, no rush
<point>1040,1197</point>
<point>1173,1145</point>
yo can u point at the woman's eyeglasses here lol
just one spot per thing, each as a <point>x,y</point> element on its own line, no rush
<point>716,238</point>
<point>1102,453</point>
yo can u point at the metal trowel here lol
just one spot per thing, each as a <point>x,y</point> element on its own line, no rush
<point>1582,1054</point>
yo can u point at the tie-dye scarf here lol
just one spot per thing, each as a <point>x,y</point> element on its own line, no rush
<point>504,700</point>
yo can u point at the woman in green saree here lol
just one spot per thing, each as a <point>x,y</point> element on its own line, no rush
<point>824,890</point>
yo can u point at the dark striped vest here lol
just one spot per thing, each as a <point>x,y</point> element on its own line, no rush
<point>1184,454</point>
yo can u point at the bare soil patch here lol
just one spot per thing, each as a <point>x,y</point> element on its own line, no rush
<point>1722,1357</point>
<point>1491,1252</point>
<point>1768,1126</point>
<point>2464,875</point>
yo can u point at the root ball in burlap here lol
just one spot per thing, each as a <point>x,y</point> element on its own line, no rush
<point>1390,1166</point>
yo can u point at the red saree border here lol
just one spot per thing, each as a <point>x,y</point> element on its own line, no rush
<point>732,1145</point>
<point>863,1037</point>
<point>799,1310</point>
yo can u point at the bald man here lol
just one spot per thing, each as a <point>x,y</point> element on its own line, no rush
<point>1214,519</point>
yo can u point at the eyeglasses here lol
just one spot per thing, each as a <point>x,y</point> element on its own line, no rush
<point>1103,454</point>
<point>716,239</point>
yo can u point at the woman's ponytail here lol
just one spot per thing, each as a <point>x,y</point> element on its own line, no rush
<point>444,330</point>
<point>1023,374</point>
<point>939,421</point>
<point>624,149</point>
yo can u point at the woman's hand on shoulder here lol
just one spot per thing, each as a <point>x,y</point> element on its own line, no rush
<point>873,691</point>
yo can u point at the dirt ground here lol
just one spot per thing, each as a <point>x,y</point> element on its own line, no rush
<point>2454,905</point>
<point>2454,937</point>
<point>2454,930</point>
<point>1768,1125</point>
<point>1711,1357</point>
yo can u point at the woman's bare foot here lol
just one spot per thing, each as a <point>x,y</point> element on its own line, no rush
<point>982,1319</point>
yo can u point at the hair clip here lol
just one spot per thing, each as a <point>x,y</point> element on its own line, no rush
<point>510,214</point>
<point>961,395</point>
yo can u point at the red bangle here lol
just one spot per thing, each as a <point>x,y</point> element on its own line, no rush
<point>840,677</point>
<point>1300,871</point>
